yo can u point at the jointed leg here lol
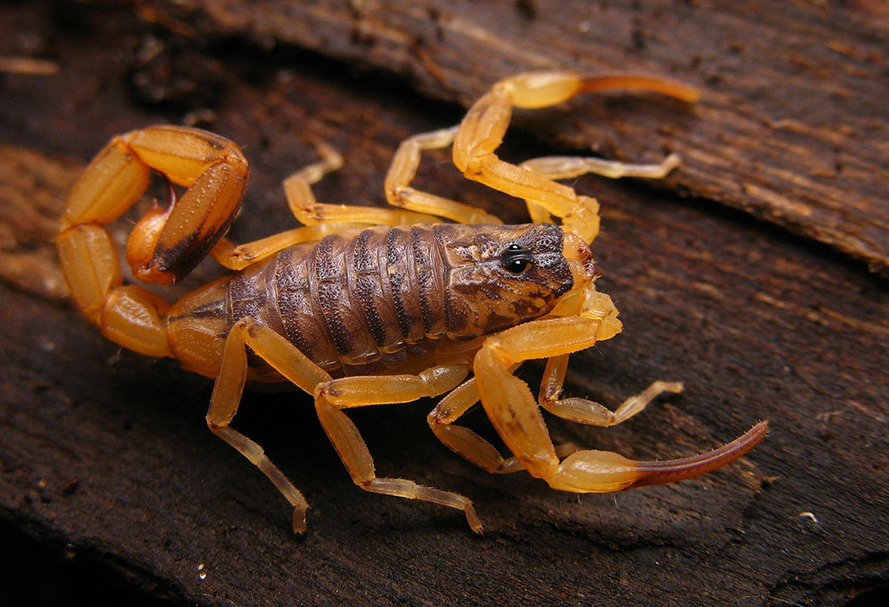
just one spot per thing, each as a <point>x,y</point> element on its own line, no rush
<point>570,167</point>
<point>318,219</point>
<point>403,170</point>
<point>358,461</point>
<point>465,442</point>
<point>414,205</point>
<point>585,411</point>
<point>484,126</point>
<point>517,418</point>
<point>229,388</point>
<point>598,322</point>
<point>238,257</point>
<point>331,396</point>
<point>334,396</point>
<point>309,211</point>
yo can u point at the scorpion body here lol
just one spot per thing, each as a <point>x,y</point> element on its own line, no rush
<point>362,306</point>
<point>386,300</point>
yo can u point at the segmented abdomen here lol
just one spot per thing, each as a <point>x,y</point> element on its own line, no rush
<point>351,301</point>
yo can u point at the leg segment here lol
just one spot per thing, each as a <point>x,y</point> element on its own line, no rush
<point>598,322</point>
<point>318,219</point>
<point>483,128</point>
<point>331,396</point>
<point>403,170</point>
<point>517,419</point>
<point>585,411</point>
<point>465,442</point>
<point>309,211</point>
<point>238,257</point>
<point>229,388</point>
<point>334,396</point>
<point>571,167</point>
<point>358,461</point>
<point>413,205</point>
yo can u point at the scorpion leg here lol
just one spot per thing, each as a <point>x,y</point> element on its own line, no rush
<point>585,411</point>
<point>462,440</point>
<point>516,417</point>
<point>571,167</point>
<point>353,451</point>
<point>465,442</point>
<point>229,388</point>
<point>238,257</point>
<point>403,170</point>
<point>309,211</point>
<point>346,392</point>
<point>481,133</point>
<point>319,220</point>
<point>358,461</point>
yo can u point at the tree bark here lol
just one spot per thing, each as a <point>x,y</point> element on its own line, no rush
<point>111,487</point>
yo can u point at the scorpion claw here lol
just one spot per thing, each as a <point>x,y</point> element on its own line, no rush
<point>605,471</point>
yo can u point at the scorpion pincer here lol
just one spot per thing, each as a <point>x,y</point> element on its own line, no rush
<point>363,306</point>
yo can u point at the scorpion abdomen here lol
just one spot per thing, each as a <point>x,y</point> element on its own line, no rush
<point>351,299</point>
<point>388,298</point>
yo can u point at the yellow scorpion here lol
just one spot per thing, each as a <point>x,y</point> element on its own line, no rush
<point>365,306</point>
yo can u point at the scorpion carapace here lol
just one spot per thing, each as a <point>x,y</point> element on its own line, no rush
<point>362,306</point>
<point>383,299</point>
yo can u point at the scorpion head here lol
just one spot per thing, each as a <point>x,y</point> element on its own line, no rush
<point>497,277</point>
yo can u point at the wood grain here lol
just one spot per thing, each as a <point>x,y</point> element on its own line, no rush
<point>792,127</point>
<point>113,490</point>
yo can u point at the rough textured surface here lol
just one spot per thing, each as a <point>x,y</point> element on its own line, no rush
<point>792,126</point>
<point>111,487</point>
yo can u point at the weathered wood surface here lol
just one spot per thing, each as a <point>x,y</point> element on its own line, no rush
<point>111,486</point>
<point>792,127</point>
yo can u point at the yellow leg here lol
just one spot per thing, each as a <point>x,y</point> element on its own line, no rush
<point>571,167</point>
<point>585,411</point>
<point>309,211</point>
<point>483,128</point>
<point>334,396</point>
<point>330,397</point>
<point>516,417</point>
<point>404,168</point>
<point>358,461</point>
<point>598,322</point>
<point>459,439</point>
<point>467,443</point>
<point>318,219</point>
<point>229,388</point>
<point>238,257</point>
<point>361,391</point>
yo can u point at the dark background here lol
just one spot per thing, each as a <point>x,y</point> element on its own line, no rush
<point>755,274</point>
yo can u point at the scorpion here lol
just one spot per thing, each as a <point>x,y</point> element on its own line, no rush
<point>363,306</point>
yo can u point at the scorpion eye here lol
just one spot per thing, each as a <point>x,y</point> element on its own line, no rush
<point>516,258</point>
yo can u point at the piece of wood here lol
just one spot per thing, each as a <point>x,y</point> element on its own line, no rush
<point>791,128</point>
<point>112,488</point>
